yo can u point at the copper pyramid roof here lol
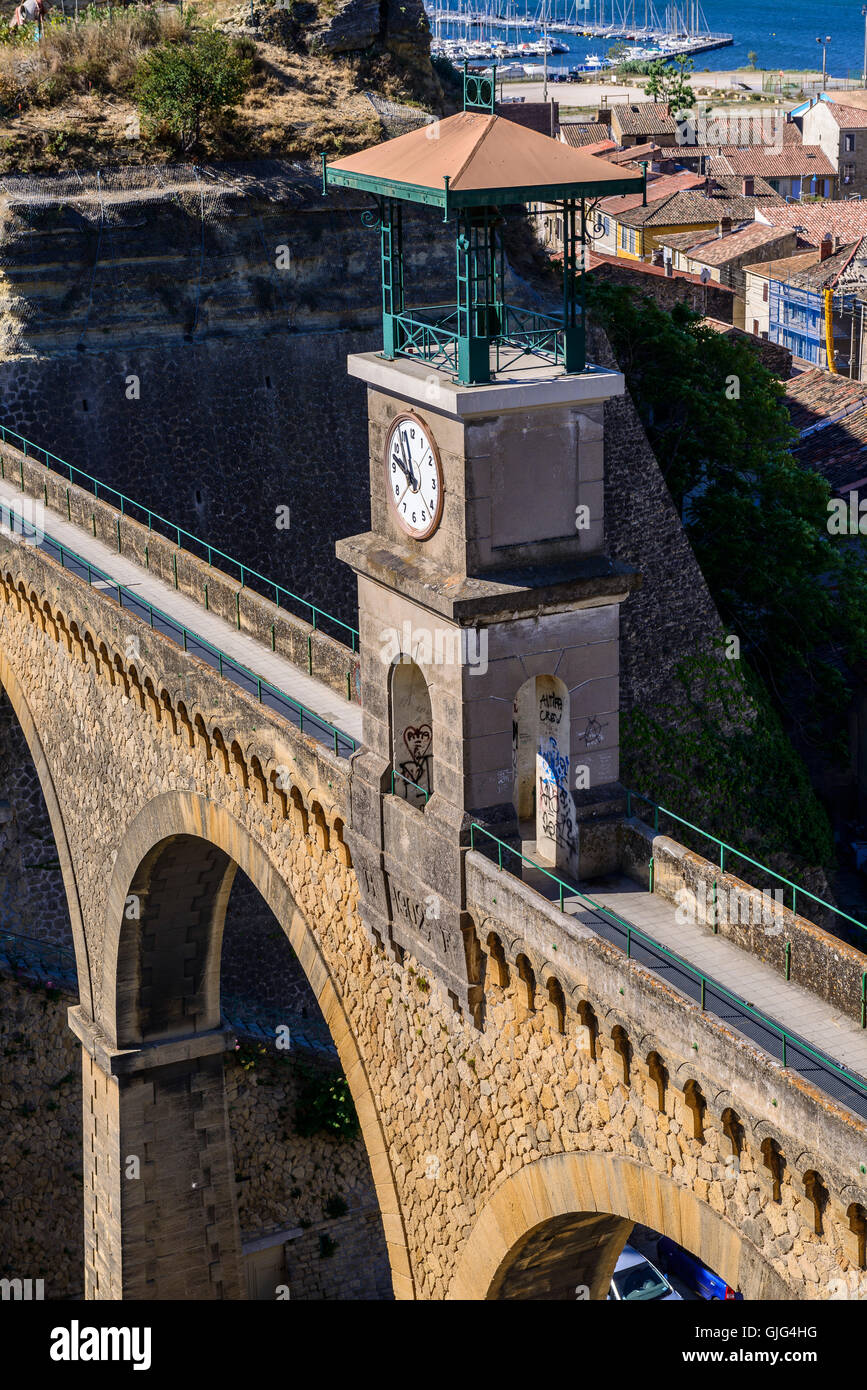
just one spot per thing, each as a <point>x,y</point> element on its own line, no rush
<point>486,159</point>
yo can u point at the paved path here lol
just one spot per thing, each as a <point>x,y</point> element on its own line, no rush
<point>307,690</point>
<point>757,983</point>
<point>802,1014</point>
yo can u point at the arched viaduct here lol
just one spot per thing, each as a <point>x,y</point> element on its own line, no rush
<point>515,1130</point>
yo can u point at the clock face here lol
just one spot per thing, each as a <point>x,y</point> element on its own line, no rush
<point>413,477</point>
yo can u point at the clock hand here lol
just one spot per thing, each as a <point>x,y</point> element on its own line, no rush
<point>408,470</point>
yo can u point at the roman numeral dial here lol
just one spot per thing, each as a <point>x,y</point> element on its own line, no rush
<point>413,477</point>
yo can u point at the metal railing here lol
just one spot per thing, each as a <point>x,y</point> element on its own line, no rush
<point>399,775</point>
<point>725,849</point>
<point>432,333</point>
<point>794,1053</point>
<point>227,666</point>
<point>138,512</point>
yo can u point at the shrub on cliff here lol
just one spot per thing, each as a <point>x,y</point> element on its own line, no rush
<point>180,87</point>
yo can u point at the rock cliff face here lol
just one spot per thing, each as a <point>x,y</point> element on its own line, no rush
<point>400,26</point>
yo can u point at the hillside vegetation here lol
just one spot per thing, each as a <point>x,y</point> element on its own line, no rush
<point>84,95</point>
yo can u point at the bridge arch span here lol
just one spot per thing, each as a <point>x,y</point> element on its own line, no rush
<point>153,1058</point>
<point>18,699</point>
<point>561,1222</point>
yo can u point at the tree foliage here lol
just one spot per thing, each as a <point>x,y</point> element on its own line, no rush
<point>757,521</point>
<point>180,86</point>
<point>668,82</point>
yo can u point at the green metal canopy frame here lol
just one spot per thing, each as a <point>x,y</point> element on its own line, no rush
<point>479,329</point>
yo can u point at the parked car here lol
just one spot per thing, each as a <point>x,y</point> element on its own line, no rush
<point>697,1276</point>
<point>636,1280</point>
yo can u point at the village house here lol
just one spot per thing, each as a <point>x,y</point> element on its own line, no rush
<point>793,171</point>
<point>814,304</point>
<point>638,231</point>
<point>725,254</point>
<point>636,124</point>
<point>837,123</point>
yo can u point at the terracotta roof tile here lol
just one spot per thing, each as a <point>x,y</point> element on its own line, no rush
<point>581,133</point>
<point>595,258</point>
<point>846,116</point>
<point>644,118</point>
<point>792,161</point>
<point>692,207</point>
<point>658,186</point>
<point>847,219</point>
<point>830,413</point>
<point>728,248</point>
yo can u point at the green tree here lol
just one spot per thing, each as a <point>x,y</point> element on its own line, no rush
<point>758,522</point>
<point>668,82</point>
<point>179,86</point>
<point>752,58</point>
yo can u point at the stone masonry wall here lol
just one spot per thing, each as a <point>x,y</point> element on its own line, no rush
<point>555,1076</point>
<point>41,1228</point>
<point>283,1179</point>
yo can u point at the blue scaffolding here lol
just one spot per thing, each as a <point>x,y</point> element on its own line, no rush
<point>796,319</point>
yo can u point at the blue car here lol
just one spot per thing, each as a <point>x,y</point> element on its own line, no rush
<point>703,1281</point>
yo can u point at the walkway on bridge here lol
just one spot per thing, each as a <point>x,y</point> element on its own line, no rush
<point>755,985</point>
<point>313,694</point>
<point>802,1015</point>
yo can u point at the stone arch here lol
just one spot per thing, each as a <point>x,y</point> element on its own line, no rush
<point>816,1198</point>
<point>857,1218</point>
<point>658,1073</point>
<point>278,788</point>
<point>239,764</point>
<point>564,1218</point>
<point>321,832</point>
<point>733,1129</point>
<point>258,777</point>
<point>556,1003</point>
<point>774,1163</point>
<point>527,976</point>
<point>498,958</point>
<point>181,824</point>
<point>339,845</point>
<point>696,1104</point>
<point>23,713</point>
<point>623,1047</point>
<point>590,1023</point>
<point>412,735</point>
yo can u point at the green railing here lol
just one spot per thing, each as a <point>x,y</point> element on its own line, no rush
<point>192,642</point>
<point>725,849</point>
<point>399,775</point>
<point>128,507</point>
<point>789,1041</point>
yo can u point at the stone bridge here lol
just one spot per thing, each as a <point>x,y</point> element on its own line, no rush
<point>527,1088</point>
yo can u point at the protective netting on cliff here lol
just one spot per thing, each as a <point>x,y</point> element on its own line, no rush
<point>173,247</point>
<point>396,118</point>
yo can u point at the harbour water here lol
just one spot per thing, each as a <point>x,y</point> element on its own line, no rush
<point>781,35</point>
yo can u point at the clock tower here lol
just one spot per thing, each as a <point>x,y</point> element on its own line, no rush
<point>488,609</point>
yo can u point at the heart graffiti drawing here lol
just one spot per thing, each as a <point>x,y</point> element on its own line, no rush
<point>416,770</point>
<point>418,741</point>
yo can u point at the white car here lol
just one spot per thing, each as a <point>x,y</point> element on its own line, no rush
<point>636,1280</point>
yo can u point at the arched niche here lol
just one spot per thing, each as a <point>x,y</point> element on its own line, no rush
<point>542,791</point>
<point>411,732</point>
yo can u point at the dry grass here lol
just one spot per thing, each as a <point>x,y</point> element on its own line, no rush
<point>76,58</point>
<point>68,101</point>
